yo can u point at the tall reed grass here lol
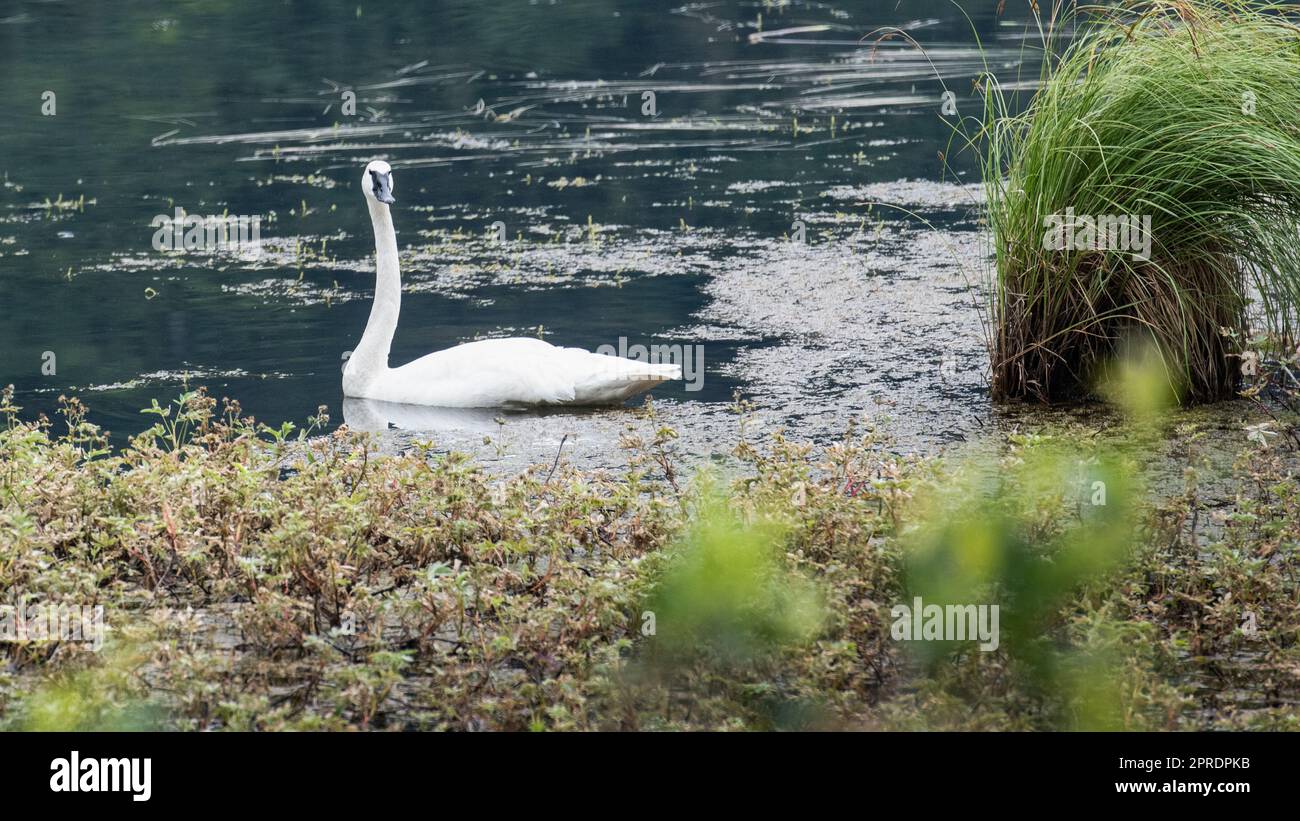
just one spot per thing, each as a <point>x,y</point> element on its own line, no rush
<point>1186,113</point>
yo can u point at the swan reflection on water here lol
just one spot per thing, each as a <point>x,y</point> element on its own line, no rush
<point>376,415</point>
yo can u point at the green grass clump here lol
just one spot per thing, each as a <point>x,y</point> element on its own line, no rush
<point>1187,112</point>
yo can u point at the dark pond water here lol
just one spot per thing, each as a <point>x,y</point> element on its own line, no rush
<point>671,227</point>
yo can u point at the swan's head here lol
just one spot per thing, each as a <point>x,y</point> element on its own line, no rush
<point>377,182</point>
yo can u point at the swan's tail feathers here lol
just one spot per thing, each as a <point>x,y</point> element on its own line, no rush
<point>663,373</point>
<point>611,379</point>
<point>632,371</point>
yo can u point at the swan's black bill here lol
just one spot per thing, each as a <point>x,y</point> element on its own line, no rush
<point>383,187</point>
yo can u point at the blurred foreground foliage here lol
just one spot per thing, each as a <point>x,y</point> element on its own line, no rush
<point>258,578</point>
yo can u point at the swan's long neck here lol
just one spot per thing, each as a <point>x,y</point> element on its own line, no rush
<point>371,356</point>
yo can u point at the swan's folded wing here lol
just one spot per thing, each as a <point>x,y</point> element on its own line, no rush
<point>488,373</point>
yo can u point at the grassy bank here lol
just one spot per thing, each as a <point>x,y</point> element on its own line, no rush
<point>252,580</point>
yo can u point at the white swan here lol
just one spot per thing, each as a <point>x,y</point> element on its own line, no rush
<point>486,374</point>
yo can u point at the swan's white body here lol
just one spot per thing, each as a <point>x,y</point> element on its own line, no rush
<point>487,374</point>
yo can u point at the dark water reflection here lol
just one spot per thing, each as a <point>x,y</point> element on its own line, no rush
<point>673,228</point>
